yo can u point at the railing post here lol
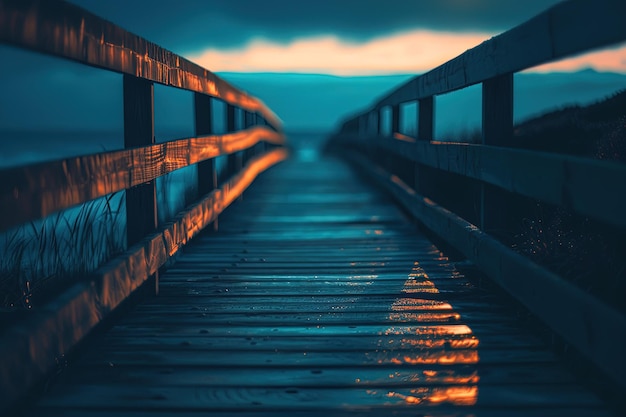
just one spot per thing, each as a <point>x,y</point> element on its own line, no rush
<point>395,119</point>
<point>425,131</point>
<point>247,124</point>
<point>256,121</point>
<point>230,127</point>
<point>497,121</point>
<point>230,118</point>
<point>426,118</point>
<point>372,132</point>
<point>235,159</point>
<point>404,167</point>
<point>362,126</point>
<point>141,203</point>
<point>207,172</point>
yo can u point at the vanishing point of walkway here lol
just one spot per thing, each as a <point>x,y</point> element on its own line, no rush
<point>316,297</point>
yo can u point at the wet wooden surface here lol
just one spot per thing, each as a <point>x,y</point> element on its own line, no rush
<point>316,298</point>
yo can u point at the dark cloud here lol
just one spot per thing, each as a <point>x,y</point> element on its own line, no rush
<point>192,25</point>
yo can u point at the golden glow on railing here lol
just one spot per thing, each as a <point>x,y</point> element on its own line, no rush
<point>402,137</point>
<point>396,180</point>
<point>241,181</point>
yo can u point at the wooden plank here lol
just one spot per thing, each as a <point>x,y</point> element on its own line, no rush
<point>286,399</point>
<point>365,358</point>
<point>575,183</point>
<point>559,32</point>
<point>236,343</point>
<point>35,191</point>
<point>372,318</point>
<point>405,411</point>
<point>400,411</point>
<point>34,346</point>
<point>598,331</point>
<point>344,376</point>
<point>71,32</point>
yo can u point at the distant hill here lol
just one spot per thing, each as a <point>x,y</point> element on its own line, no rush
<point>320,102</point>
<point>597,130</point>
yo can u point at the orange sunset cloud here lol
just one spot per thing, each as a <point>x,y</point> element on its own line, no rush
<point>409,52</point>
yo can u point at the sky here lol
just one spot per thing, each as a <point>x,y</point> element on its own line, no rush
<point>312,62</point>
<point>341,37</point>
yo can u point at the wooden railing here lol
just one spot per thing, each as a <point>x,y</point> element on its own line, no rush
<point>468,208</point>
<point>32,192</point>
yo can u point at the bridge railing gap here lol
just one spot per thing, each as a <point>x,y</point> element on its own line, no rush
<point>464,192</point>
<point>35,191</point>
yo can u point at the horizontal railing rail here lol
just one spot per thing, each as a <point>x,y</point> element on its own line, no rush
<point>486,174</point>
<point>565,180</point>
<point>65,30</point>
<point>561,31</point>
<point>34,191</point>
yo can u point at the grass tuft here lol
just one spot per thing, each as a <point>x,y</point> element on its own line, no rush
<point>41,258</point>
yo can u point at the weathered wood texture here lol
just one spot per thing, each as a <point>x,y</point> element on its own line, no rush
<point>316,297</point>
<point>561,31</point>
<point>497,130</point>
<point>234,160</point>
<point>141,203</point>
<point>579,184</point>
<point>426,119</point>
<point>68,31</point>
<point>30,349</point>
<point>594,328</point>
<point>34,191</point>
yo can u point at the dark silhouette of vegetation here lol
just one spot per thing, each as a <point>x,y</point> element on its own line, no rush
<point>580,249</point>
<point>41,258</point>
<point>595,131</point>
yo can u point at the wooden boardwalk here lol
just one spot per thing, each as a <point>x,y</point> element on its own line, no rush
<point>316,297</point>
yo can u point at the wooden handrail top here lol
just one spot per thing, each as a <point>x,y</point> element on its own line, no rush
<point>563,30</point>
<point>65,30</point>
